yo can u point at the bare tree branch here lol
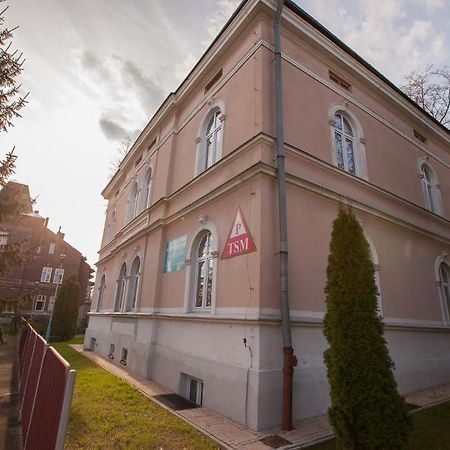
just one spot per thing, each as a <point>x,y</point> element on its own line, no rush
<point>430,89</point>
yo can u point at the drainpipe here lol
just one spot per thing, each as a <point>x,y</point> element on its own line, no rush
<point>289,359</point>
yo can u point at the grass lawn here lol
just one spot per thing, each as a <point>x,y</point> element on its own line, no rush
<point>431,430</point>
<point>108,413</point>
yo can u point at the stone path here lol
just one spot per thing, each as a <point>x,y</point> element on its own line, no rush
<point>10,437</point>
<point>232,435</point>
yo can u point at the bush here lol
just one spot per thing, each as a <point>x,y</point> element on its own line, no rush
<point>65,314</point>
<point>366,410</point>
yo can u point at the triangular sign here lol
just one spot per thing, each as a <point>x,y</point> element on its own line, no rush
<point>239,240</point>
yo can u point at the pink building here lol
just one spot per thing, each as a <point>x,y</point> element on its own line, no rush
<point>175,306</point>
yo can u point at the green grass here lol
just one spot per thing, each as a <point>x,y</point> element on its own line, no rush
<point>431,430</point>
<point>108,413</point>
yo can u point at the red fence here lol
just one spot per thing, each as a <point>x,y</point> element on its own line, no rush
<point>46,387</point>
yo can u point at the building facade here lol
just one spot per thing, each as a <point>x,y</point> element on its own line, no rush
<point>187,287</point>
<point>51,259</point>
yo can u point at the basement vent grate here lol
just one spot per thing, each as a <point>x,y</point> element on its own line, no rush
<point>175,402</point>
<point>275,441</point>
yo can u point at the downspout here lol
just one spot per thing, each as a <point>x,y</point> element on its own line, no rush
<point>289,359</point>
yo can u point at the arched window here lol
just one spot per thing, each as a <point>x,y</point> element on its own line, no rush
<point>146,186</point>
<point>444,284</point>
<point>101,293</point>
<point>134,284</point>
<point>133,202</point>
<point>203,272</point>
<point>430,188</point>
<point>344,143</point>
<point>209,143</point>
<point>121,288</point>
<point>348,143</point>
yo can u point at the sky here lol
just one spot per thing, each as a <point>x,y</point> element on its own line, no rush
<point>97,70</point>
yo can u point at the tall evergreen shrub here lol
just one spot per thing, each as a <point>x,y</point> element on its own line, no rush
<point>366,410</point>
<point>65,314</point>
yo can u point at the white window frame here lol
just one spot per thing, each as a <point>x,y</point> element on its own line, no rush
<point>3,239</point>
<point>121,289</point>
<point>46,274</point>
<point>133,202</point>
<point>191,268</point>
<point>187,381</point>
<point>133,286</point>
<point>51,248</point>
<point>430,187</point>
<point>101,292</point>
<point>146,189</point>
<point>58,276</point>
<point>205,159</point>
<point>202,265</point>
<point>443,263</point>
<point>359,147</point>
<point>41,299</point>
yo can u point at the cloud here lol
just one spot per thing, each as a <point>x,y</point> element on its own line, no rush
<point>112,130</point>
<point>396,37</point>
<point>223,9</point>
<point>125,95</point>
<point>149,92</point>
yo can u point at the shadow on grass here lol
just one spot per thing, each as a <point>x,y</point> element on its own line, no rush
<point>431,430</point>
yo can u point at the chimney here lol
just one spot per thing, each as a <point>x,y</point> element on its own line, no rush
<point>60,234</point>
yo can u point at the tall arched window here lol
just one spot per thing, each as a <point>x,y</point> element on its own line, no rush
<point>345,143</point>
<point>444,284</point>
<point>121,288</point>
<point>133,202</point>
<point>430,188</point>
<point>348,142</point>
<point>209,143</point>
<point>146,186</point>
<point>134,284</point>
<point>101,293</point>
<point>203,283</point>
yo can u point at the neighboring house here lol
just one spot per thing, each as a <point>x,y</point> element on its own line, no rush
<point>187,288</point>
<point>52,258</point>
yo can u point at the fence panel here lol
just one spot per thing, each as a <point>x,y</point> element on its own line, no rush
<point>46,388</point>
<point>45,420</point>
<point>23,337</point>
<point>29,393</point>
<point>26,361</point>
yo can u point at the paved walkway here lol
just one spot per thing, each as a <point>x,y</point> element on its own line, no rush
<point>9,395</point>
<point>232,435</point>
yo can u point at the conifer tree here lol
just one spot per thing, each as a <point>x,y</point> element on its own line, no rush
<point>11,103</point>
<point>366,412</point>
<point>65,312</point>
